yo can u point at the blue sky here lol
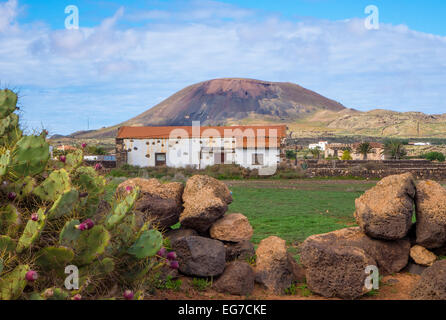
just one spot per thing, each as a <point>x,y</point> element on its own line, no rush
<point>127,56</point>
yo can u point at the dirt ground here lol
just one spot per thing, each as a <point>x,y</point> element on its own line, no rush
<point>394,287</point>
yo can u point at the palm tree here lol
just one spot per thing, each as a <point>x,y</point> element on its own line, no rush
<point>316,152</point>
<point>394,149</point>
<point>364,148</point>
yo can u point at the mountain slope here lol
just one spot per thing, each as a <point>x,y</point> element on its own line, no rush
<point>246,101</point>
<point>224,101</point>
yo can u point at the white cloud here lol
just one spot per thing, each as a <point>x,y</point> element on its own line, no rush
<point>113,72</point>
<point>8,13</point>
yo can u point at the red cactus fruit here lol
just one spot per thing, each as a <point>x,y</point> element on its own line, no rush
<point>128,295</point>
<point>172,256</point>
<point>98,166</point>
<point>35,217</point>
<point>174,264</point>
<point>63,159</point>
<point>31,276</point>
<point>77,297</point>
<point>89,224</point>
<point>162,252</point>
<point>12,196</point>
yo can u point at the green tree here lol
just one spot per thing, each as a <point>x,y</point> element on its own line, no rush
<point>316,152</point>
<point>364,148</point>
<point>434,156</point>
<point>291,154</point>
<point>394,149</point>
<point>346,155</point>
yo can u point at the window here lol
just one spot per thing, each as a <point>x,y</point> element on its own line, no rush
<point>257,159</point>
<point>160,159</point>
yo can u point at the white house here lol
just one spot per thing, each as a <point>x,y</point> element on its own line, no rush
<point>254,147</point>
<point>321,145</point>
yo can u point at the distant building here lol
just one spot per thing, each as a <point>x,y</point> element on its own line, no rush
<point>252,147</point>
<point>321,145</point>
<point>66,148</point>
<point>421,143</point>
<point>336,150</point>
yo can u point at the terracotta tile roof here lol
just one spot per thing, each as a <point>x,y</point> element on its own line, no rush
<point>165,132</point>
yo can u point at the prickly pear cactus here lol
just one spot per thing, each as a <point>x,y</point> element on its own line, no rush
<point>54,186</point>
<point>88,180</point>
<point>56,258</point>
<point>90,245</point>
<point>70,234</point>
<point>9,220</point>
<point>64,205</point>
<point>32,232</point>
<point>7,245</point>
<point>147,245</point>
<point>23,187</point>
<point>50,294</point>
<point>121,209</point>
<point>4,162</point>
<point>8,103</point>
<point>43,204</point>
<point>13,283</point>
<point>29,156</point>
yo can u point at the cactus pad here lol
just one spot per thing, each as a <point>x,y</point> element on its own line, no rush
<point>8,102</point>
<point>6,245</point>
<point>29,156</point>
<point>147,245</point>
<point>9,220</point>
<point>54,186</point>
<point>121,209</point>
<point>69,234</point>
<point>54,258</point>
<point>91,244</point>
<point>4,162</point>
<point>64,205</point>
<point>31,232</point>
<point>88,180</point>
<point>13,283</point>
<point>23,187</point>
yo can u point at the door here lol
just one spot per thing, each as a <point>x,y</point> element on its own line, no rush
<point>219,158</point>
<point>160,159</point>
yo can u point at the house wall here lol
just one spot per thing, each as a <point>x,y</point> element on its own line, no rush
<point>375,155</point>
<point>198,153</point>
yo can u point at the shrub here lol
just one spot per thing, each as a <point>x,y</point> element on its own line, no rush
<point>434,156</point>
<point>291,154</point>
<point>346,155</point>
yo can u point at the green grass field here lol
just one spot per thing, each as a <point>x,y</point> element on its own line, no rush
<point>294,210</point>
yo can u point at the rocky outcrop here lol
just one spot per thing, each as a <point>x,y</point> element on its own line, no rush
<point>160,203</point>
<point>199,256</point>
<point>274,266</point>
<point>237,279</point>
<point>172,190</point>
<point>422,256</point>
<point>173,235</point>
<point>335,271</point>
<point>385,211</point>
<point>431,214</point>
<point>239,251</point>
<point>205,201</point>
<point>432,285</point>
<point>390,256</point>
<point>234,227</point>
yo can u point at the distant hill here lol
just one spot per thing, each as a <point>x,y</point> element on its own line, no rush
<point>247,101</point>
<point>225,101</point>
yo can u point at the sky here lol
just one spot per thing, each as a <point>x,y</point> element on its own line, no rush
<point>127,56</point>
